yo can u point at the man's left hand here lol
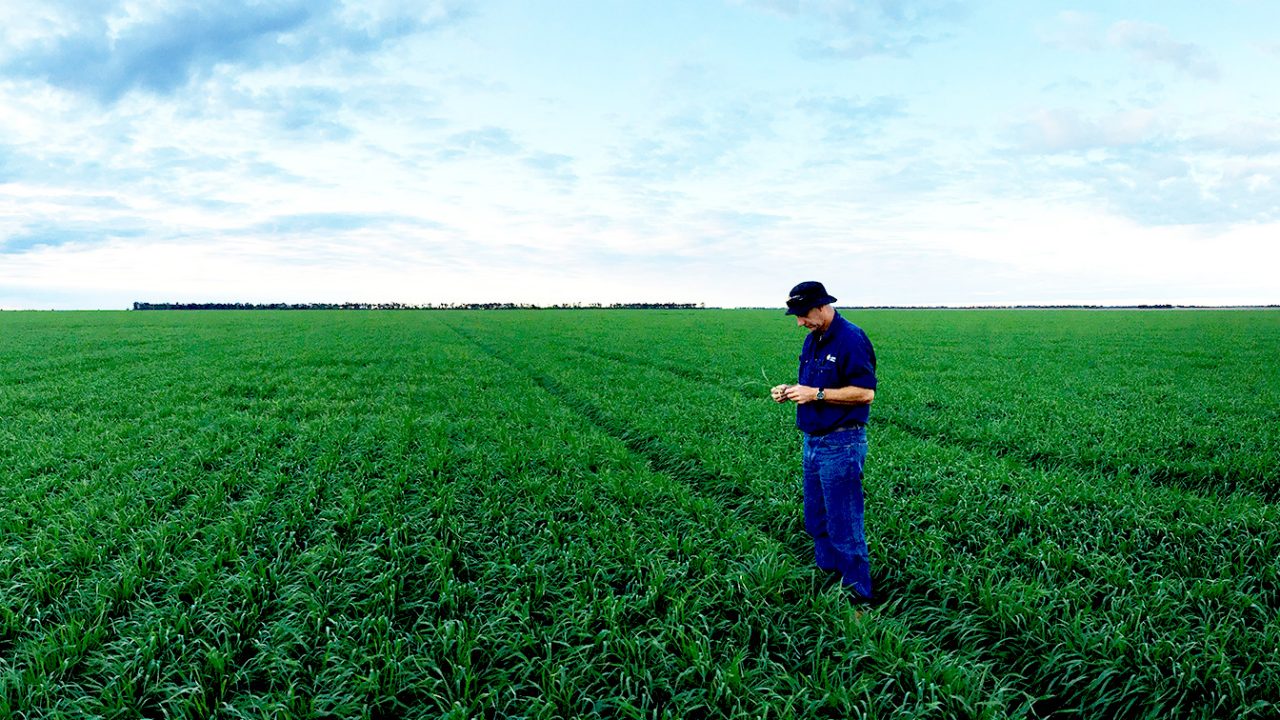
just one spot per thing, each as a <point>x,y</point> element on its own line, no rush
<point>801,394</point>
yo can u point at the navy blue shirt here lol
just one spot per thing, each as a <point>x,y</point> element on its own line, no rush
<point>843,356</point>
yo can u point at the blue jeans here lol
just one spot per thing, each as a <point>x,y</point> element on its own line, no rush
<point>833,505</point>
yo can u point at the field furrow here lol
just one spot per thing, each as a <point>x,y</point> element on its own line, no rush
<point>1183,399</point>
<point>1029,535</point>
<point>1214,484</point>
<point>955,683</point>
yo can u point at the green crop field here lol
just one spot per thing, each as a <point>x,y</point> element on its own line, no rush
<point>598,514</point>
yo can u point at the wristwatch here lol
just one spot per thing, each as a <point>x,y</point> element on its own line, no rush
<point>822,394</point>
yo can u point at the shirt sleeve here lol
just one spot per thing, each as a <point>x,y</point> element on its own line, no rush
<point>858,362</point>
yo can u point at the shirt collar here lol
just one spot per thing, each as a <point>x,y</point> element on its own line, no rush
<point>837,324</point>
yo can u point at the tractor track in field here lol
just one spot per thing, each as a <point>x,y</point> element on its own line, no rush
<point>1047,691</point>
<point>1216,484</point>
<point>1043,700</point>
<point>660,455</point>
<point>663,458</point>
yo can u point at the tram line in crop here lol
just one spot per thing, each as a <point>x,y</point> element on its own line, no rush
<point>1217,483</point>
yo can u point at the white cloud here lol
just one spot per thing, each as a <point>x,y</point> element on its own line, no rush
<point>1153,43</point>
<point>1149,166</point>
<point>1064,129</point>
<point>853,29</point>
<point>390,18</point>
<point>1071,30</point>
<point>1149,42</point>
<point>697,139</point>
<point>849,118</point>
<point>108,49</point>
<point>1253,137</point>
<point>1071,240</point>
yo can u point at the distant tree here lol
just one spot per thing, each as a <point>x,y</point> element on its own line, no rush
<point>139,305</point>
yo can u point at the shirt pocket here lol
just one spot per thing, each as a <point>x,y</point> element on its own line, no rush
<point>822,373</point>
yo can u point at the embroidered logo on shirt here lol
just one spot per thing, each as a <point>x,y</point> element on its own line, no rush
<point>831,358</point>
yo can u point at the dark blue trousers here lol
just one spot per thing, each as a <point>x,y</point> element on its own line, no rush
<point>833,505</point>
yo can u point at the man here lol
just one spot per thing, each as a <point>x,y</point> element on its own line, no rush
<point>833,401</point>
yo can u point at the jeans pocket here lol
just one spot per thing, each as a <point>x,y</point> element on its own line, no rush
<point>848,438</point>
<point>849,448</point>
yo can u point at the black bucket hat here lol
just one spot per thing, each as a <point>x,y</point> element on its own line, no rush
<point>807,296</point>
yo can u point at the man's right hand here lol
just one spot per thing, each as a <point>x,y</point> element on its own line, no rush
<point>779,393</point>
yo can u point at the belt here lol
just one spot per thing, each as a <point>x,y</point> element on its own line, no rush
<point>859,426</point>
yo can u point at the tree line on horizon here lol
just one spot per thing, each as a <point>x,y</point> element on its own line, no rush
<point>632,306</point>
<point>410,306</point>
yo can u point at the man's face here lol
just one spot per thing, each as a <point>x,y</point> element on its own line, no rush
<point>812,320</point>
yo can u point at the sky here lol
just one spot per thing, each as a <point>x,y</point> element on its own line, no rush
<point>904,152</point>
